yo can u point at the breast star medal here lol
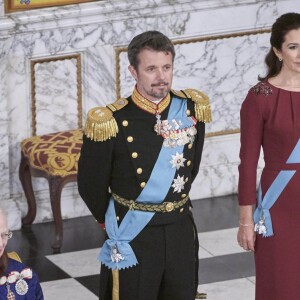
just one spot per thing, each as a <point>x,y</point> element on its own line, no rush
<point>178,184</point>
<point>177,160</point>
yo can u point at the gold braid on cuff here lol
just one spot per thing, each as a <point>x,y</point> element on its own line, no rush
<point>163,207</point>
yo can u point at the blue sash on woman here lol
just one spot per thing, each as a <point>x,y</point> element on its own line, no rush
<point>262,217</point>
<point>116,252</point>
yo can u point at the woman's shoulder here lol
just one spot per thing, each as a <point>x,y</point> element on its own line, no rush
<point>14,265</point>
<point>262,88</point>
<point>259,98</point>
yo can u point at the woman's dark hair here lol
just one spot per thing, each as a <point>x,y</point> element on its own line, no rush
<point>3,263</point>
<point>152,40</point>
<point>280,28</point>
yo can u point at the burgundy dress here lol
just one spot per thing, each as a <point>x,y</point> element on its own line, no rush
<point>270,118</point>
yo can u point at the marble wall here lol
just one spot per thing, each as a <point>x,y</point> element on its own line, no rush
<point>219,50</point>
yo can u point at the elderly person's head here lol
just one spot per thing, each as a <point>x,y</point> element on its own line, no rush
<point>5,235</point>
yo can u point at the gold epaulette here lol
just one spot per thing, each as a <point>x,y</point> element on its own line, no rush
<point>101,124</point>
<point>202,105</point>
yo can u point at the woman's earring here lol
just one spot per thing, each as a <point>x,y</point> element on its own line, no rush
<point>280,59</point>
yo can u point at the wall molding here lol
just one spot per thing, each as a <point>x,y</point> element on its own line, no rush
<point>33,63</point>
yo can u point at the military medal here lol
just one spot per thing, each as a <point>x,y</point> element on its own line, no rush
<point>174,132</point>
<point>116,256</point>
<point>157,127</point>
<point>21,287</point>
<point>10,294</point>
<point>260,227</point>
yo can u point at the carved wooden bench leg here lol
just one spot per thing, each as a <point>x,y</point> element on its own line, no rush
<point>25,178</point>
<point>56,184</point>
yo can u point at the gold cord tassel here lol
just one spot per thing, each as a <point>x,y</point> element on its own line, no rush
<point>101,125</point>
<point>202,105</point>
<point>203,112</point>
<point>100,132</point>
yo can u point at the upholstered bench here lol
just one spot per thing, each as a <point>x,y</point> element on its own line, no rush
<point>55,157</point>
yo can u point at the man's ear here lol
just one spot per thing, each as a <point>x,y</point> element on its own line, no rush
<point>133,72</point>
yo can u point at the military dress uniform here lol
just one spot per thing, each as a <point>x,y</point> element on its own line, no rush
<point>121,145</point>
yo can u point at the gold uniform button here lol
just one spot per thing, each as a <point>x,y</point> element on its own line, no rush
<point>125,123</point>
<point>190,146</point>
<point>134,155</point>
<point>143,184</point>
<point>181,209</point>
<point>188,112</point>
<point>183,195</point>
<point>189,163</point>
<point>139,170</point>
<point>130,139</point>
<point>169,206</point>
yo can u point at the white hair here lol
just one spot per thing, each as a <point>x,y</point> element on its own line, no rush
<point>3,211</point>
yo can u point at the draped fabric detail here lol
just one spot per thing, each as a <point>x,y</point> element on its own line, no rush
<point>262,216</point>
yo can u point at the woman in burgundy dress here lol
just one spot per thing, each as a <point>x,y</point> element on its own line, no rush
<point>270,118</point>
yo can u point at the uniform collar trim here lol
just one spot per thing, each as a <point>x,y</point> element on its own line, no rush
<point>149,106</point>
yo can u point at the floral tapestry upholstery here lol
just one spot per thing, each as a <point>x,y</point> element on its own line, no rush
<point>56,154</point>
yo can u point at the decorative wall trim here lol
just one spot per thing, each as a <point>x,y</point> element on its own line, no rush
<point>18,5</point>
<point>99,12</point>
<point>33,85</point>
<point>119,50</point>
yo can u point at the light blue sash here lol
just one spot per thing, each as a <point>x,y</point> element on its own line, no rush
<point>155,191</point>
<point>262,213</point>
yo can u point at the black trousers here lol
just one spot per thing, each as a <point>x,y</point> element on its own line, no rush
<point>167,261</point>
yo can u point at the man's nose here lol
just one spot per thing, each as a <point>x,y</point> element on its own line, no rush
<point>161,74</point>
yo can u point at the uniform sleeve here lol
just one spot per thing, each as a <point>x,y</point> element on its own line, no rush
<point>252,124</point>
<point>198,149</point>
<point>94,173</point>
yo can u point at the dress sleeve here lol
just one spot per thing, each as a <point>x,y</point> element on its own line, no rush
<point>252,124</point>
<point>94,173</point>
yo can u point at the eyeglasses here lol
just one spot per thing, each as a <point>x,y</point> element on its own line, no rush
<point>6,236</point>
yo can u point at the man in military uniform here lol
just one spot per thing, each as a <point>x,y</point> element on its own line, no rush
<point>139,158</point>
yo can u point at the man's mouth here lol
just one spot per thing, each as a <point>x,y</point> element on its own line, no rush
<point>159,84</point>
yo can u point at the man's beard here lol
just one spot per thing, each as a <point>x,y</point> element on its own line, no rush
<point>162,91</point>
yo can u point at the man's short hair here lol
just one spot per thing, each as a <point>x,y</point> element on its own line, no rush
<point>151,40</point>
